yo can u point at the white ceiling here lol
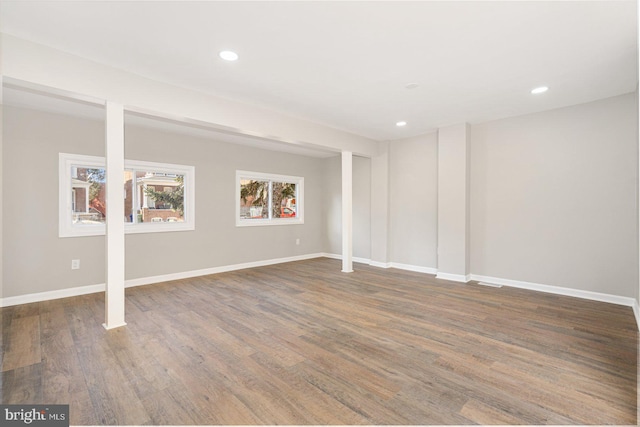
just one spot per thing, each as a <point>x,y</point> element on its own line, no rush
<point>346,64</point>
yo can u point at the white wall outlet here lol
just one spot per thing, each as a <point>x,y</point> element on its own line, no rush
<point>297,241</point>
<point>75,264</point>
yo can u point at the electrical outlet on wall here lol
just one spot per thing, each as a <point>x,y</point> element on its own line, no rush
<point>297,241</point>
<point>75,264</point>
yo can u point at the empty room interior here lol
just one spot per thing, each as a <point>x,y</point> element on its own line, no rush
<point>223,213</point>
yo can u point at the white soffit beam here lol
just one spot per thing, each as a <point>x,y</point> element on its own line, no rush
<point>40,65</point>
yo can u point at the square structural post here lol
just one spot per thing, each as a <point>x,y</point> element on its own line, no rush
<point>114,141</point>
<point>453,203</point>
<point>347,212</point>
<point>380,209</point>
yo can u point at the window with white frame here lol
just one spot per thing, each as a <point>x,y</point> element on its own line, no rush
<point>268,199</point>
<point>158,196</point>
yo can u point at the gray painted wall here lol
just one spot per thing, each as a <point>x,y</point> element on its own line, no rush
<point>332,232</point>
<point>217,241</point>
<point>37,260</point>
<point>413,198</point>
<point>553,197</point>
<point>553,201</point>
<point>380,205</point>
<point>453,201</point>
<point>362,207</point>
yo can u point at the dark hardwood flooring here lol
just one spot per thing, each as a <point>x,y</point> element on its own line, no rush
<point>302,343</point>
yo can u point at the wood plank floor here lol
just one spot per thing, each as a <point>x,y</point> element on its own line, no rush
<point>302,343</point>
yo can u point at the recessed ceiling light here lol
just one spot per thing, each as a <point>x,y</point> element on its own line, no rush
<point>541,89</point>
<point>400,124</point>
<point>228,55</point>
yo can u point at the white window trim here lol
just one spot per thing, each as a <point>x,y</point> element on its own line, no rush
<point>299,181</point>
<point>65,225</point>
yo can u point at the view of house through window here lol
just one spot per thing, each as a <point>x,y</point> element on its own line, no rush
<point>153,196</point>
<point>87,195</point>
<point>265,198</point>
<point>158,196</point>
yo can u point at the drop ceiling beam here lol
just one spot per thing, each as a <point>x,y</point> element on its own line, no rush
<point>35,64</point>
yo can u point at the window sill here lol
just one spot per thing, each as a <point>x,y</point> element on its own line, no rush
<point>129,229</point>
<point>267,222</point>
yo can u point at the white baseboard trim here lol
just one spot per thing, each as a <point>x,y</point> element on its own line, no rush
<point>90,289</point>
<point>399,266</point>
<point>50,295</point>
<point>416,268</point>
<point>491,285</point>
<point>215,270</point>
<point>354,259</point>
<point>595,296</point>
<point>453,277</point>
<point>83,290</point>
<point>408,267</point>
<point>380,264</point>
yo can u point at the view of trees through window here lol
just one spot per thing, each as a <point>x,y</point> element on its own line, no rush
<point>284,200</point>
<point>254,197</point>
<point>266,199</point>
<point>88,195</point>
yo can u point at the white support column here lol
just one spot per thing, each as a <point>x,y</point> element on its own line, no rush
<point>453,203</point>
<point>114,138</point>
<point>380,207</point>
<point>347,212</point>
<point>636,308</point>
<point>86,199</point>
<point>1,167</point>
